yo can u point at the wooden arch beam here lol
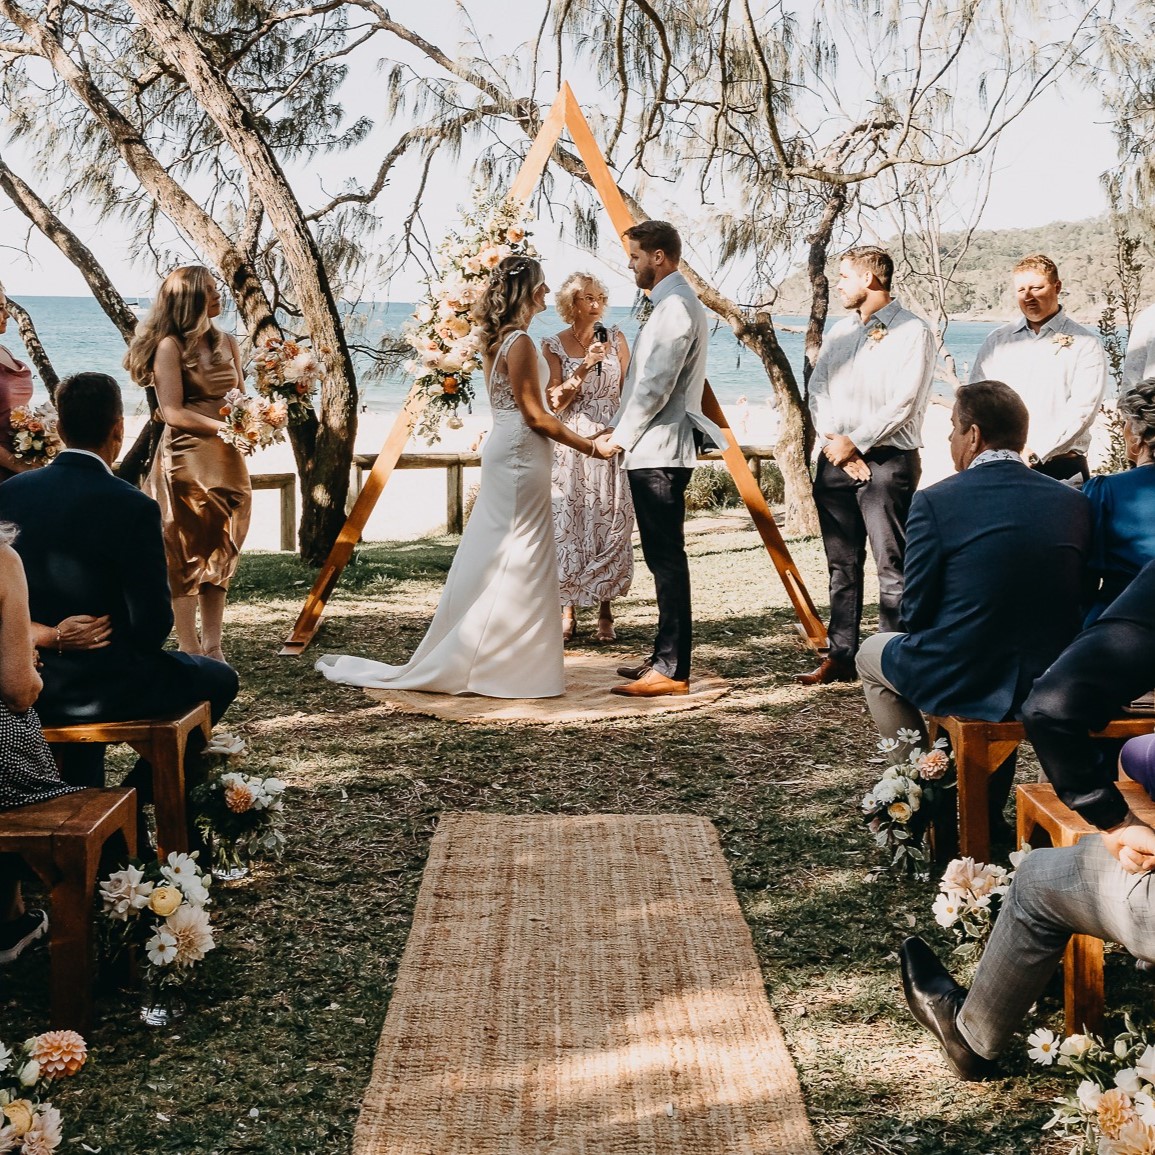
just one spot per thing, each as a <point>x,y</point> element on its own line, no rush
<point>564,115</point>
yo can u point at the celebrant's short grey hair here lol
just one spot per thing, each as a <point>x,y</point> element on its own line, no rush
<point>570,287</point>
<point>8,532</point>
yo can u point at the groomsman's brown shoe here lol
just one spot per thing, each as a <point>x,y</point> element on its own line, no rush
<point>652,685</point>
<point>829,670</point>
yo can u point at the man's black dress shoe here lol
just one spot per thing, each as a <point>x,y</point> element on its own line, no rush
<point>935,1000</point>
<point>829,670</point>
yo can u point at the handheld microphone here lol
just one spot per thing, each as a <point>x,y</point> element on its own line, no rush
<point>602,335</point>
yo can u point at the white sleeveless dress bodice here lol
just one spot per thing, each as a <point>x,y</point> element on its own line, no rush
<point>497,629</point>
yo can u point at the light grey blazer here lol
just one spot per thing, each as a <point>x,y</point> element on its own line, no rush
<point>662,397</point>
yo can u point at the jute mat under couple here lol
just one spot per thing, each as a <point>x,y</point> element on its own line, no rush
<point>580,986</point>
<point>588,678</point>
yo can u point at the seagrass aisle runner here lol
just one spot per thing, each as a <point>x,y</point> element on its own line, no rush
<point>580,986</point>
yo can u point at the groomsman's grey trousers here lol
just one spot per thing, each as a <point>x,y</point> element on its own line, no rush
<point>1078,889</point>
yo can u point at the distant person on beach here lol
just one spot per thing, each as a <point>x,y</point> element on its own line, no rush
<point>1056,366</point>
<point>91,545</point>
<point>200,482</point>
<point>497,629</point>
<point>660,426</point>
<point>868,396</point>
<point>592,510</point>
<point>1123,504</point>
<point>15,390</point>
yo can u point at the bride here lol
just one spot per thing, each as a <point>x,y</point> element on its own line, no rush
<point>497,630</point>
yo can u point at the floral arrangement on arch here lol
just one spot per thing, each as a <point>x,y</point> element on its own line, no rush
<point>252,423</point>
<point>34,435</point>
<point>29,1123</point>
<point>289,371</point>
<point>240,814</point>
<point>442,331</point>
<point>1112,1110</point>
<point>898,808</point>
<point>970,896</point>
<point>160,906</point>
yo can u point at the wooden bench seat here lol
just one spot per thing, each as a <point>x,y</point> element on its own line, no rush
<point>980,748</point>
<point>65,840</point>
<point>1043,820</point>
<point>162,742</point>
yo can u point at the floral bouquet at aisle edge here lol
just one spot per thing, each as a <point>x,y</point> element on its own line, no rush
<point>29,1123</point>
<point>291,372</point>
<point>240,814</point>
<point>34,436</point>
<point>899,807</point>
<point>1112,1111</point>
<point>160,906</point>
<point>970,896</point>
<point>441,330</point>
<point>252,423</point>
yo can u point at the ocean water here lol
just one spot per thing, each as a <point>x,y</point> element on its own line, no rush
<point>78,336</point>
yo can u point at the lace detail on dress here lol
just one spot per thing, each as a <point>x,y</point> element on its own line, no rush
<point>500,390</point>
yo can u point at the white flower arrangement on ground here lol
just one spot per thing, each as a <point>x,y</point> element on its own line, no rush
<point>252,423</point>
<point>898,808</point>
<point>160,906</point>
<point>240,813</point>
<point>34,436</point>
<point>29,1123</point>
<point>970,896</point>
<point>442,331</point>
<point>1112,1111</point>
<point>289,371</point>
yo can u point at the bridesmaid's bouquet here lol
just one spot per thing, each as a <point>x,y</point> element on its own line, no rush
<point>291,372</point>
<point>34,436</point>
<point>252,423</point>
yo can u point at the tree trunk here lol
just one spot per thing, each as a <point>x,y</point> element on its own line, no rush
<point>325,469</point>
<point>34,346</point>
<point>819,242</point>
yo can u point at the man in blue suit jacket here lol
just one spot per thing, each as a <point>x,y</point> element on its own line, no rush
<point>93,552</point>
<point>993,576</point>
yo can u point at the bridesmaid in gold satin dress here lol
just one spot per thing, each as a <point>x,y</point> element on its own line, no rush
<point>200,482</point>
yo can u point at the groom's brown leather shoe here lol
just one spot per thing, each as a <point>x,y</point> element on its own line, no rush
<point>935,1000</point>
<point>652,685</point>
<point>829,670</point>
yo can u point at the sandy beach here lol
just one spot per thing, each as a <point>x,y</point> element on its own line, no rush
<point>413,504</point>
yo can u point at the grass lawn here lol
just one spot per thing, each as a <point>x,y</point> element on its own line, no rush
<point>277,1048</point>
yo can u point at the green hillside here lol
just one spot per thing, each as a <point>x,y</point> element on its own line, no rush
<point>1083,250</point>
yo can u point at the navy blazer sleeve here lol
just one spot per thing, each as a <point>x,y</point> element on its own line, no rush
<point>923,568</point>
<point>144,579</point>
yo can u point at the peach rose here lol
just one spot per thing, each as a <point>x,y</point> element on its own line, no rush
<point>164,900</point>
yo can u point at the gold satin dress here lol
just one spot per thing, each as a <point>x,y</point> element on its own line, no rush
<point>203,489</point>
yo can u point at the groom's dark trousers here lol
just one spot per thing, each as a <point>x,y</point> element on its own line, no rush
<point>660,508</point>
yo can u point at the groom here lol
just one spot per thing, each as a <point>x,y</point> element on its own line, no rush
<point>658,426</point>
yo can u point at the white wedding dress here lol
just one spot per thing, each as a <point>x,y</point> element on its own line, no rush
<point>497,629</point>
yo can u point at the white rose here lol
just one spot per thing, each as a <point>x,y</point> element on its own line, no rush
<point>1128,1080</point>
<point>1088,1095</point>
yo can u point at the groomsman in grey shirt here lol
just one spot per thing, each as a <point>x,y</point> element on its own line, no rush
<point>868,395</point>
<point>1055,365</point>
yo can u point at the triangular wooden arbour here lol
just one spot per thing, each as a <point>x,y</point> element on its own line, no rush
<point>565,114</point>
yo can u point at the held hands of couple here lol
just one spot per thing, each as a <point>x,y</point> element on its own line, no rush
<point>79,632</point>
<point>603,445</point>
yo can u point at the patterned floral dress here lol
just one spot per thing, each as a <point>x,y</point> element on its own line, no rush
<point>593,515</point>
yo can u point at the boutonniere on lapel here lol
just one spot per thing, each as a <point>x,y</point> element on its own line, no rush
<point>1062,341</point>
<point>877,332</point>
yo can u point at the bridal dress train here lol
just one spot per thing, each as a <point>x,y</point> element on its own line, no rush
<point>497,629</point>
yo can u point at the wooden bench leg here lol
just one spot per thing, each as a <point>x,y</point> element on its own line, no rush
<point>1083,984</point>
<point>971,755</point>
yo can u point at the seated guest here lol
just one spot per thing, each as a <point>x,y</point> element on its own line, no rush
<point>1123,504</point>
<point>92,547</point>
<point>993,574</point>
<point>27,772</point>
<point>1091,888</point>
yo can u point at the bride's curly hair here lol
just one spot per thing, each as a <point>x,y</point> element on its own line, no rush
<point>511,288</point>
<point>1138,406</point>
